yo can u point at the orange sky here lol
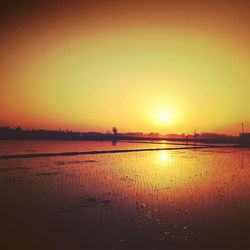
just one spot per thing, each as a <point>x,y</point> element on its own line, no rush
<point>96,64</point>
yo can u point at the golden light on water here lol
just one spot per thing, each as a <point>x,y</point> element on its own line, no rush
<point>163,158</point>
<point>157,67</point>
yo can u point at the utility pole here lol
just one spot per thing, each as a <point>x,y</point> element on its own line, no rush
<point>242,132</point>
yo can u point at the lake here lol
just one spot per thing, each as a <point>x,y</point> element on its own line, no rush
<point>165,199</point>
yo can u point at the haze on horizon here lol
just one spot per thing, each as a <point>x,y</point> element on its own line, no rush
<point>168,67</point>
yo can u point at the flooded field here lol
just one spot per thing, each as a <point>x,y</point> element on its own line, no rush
<point>33,147</point>
<point>165,199</point>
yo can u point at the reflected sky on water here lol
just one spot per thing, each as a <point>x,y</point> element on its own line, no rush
<point>153,200</point>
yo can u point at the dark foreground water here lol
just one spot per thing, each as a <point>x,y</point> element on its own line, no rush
<point>178,199</point>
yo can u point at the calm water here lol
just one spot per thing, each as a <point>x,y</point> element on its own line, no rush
<point>29,147</point>
<point>180,199</point>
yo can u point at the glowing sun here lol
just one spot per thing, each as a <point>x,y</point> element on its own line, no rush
<point>164,117</point>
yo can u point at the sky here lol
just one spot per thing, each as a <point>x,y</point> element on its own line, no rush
<point>150,66</point>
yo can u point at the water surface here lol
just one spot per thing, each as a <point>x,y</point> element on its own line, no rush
<point>181,199</point>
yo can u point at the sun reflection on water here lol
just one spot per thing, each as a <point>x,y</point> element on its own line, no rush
<point>164,156</point>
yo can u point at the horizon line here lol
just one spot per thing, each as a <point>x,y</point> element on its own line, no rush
<point>154,133</point>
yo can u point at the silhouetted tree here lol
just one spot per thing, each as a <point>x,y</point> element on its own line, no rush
<point>18,128</point>
<point>114,130</point>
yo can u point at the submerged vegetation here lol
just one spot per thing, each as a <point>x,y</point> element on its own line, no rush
<point>165,199</point>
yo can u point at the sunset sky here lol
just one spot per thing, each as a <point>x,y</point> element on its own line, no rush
<point>168,67</point>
